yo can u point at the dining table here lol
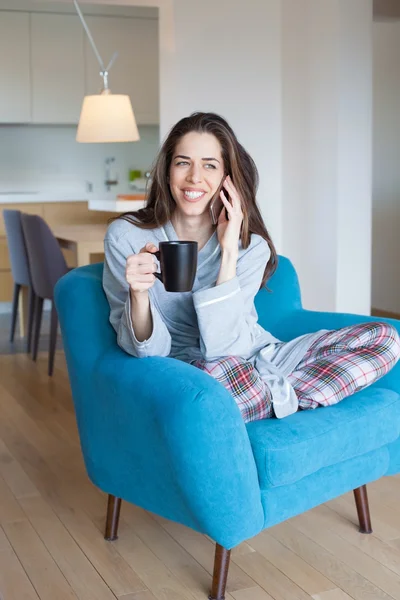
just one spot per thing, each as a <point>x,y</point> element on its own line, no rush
<point>83,240</point>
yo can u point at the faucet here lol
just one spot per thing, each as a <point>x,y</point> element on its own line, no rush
<point>108,181</point>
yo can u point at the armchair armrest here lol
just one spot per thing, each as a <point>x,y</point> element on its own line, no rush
<point>166,436</point>
<point>303,321</point>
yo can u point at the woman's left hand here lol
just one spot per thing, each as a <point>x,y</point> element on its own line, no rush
<point>228,230</point>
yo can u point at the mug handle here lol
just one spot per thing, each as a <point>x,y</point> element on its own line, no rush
<point>158,275</point>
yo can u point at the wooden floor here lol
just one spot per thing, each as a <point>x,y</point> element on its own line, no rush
<point>52,518</point>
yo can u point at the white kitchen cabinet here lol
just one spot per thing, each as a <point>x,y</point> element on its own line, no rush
<point>135,71</point>
<point>58,77</point>
<point>15,83</point>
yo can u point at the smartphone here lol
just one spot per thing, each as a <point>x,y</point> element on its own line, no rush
<point>216,204</point>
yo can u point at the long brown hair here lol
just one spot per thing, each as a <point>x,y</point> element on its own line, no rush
<point>238,164</point>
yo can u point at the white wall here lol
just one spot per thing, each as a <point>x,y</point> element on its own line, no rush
<point>224,66</point>
<point>386,172</point>
<point>293,77</point>
<point>326,130</point>
<point>49,155</point>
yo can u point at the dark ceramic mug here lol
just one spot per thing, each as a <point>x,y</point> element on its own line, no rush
<point>178,262</point>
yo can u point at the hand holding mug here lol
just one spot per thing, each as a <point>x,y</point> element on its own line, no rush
<point>140,269</point>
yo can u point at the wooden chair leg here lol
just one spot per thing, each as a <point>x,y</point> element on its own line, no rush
<point>38,323</point>
<point>53,337</point>
<point>361,498</point>
<point>14,313</point>
<point>113,511</point>
<point>221,568</point>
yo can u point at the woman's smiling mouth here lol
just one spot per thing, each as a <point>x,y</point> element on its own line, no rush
<point>193,195</point>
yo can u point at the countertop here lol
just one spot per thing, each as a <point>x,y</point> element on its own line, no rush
<point>106,201</point>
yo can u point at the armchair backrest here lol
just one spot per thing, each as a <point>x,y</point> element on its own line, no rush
<point>83,313</point>
<point>284,295</point>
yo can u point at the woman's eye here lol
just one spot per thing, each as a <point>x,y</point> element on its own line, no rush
<point>210,166</point>
<point>181,162</point>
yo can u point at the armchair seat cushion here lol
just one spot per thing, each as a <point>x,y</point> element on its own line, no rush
<point>286,450</point>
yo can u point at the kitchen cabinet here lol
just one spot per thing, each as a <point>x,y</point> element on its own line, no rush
<point>48,65</point>
<point>135,71</point>
<point>15,97</point>
<point>57,58</point>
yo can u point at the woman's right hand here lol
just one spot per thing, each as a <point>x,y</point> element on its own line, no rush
<point>140,269</point>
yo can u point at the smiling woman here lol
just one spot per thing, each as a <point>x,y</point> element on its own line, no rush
<point>194,159</point>
<point>215,325</point>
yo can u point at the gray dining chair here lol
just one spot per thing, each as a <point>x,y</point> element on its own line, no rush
<point>19,270</point>
<point>47,264</point>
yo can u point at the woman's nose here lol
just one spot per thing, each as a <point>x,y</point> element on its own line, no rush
<point>194,174</point>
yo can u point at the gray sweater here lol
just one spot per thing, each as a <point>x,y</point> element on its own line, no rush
<point>210,321</point>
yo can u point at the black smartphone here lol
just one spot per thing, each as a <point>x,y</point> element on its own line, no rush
<point>216,204</point>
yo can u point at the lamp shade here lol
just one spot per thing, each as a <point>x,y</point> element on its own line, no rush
<point>107,117</point>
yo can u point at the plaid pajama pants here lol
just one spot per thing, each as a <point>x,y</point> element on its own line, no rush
<point>338,364</point>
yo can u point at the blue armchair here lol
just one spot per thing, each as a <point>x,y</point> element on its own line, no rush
<point>166,436</point>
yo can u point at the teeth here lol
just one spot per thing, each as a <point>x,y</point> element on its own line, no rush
<point>193,195</point>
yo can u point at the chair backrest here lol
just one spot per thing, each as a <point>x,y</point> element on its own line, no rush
<point>281,296</point>
<point>46,260</point>
<point>17,247</point>
<point>83,313</point>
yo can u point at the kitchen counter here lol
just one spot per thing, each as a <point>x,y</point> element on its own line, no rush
<point>115,205</point>
<point>18,197</point>
<point>106,202</point>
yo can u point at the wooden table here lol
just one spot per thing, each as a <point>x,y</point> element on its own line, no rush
<point>83,240</point>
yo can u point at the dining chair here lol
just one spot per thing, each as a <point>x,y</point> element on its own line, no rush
<point>19,270</point>
<point>47,264</point>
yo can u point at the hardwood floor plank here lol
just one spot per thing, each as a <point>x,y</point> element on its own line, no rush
<point>72,562</point>
<point>145,595</point>
<point>335,594</point>
<point>291,565</point>
<point>380,551</point>
<point>332,566</point>
<point>115,571</point>
<point>14,582</point>
<point>270,579</point>
<point>12,472</point>
<point>10,510</point>
<point>371,570</point>
<point>252,594</point>
<point>40,567</point>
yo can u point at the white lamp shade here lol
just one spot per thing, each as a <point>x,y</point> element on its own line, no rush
<point>107,118</point>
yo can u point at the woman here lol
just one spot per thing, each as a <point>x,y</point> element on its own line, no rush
<point>214,326</point>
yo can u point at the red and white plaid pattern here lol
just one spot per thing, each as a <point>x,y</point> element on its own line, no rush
<point>243,381</point>
<point>338,364</point>
<point>343,362</point>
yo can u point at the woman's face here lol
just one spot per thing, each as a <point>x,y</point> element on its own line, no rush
<point>196,172</point>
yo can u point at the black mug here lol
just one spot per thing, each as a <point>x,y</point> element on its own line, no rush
<point>178,262</point>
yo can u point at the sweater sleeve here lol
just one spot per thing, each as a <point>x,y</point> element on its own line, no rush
<point>226,313</point>
<point>117,291</point>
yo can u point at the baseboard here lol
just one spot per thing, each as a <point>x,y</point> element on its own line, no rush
<point>377,312</point>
